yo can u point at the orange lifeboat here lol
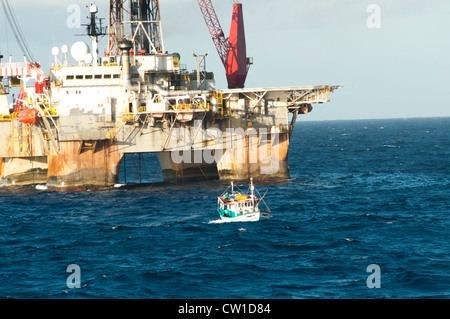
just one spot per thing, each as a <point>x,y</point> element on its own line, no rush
<point>29,116</point>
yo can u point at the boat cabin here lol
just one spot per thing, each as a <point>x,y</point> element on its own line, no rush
<point>235,204</point>
<point>238,206</point>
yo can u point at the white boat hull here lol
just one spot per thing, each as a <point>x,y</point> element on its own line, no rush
<point>249,217</point>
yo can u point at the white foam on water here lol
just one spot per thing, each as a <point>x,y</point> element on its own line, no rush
<point>218,221</point>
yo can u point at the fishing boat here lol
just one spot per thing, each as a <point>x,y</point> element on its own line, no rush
<point>237,206</point>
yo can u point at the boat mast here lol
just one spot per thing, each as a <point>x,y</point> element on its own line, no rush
<point>251,191</point>
<point>232,187</point>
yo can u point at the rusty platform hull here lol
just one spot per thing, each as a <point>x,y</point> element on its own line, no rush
<point>81,165</point>
<point>173,171</point>
<point>2,166</point>
<point>23,171</point>
<point>91,164</point>
<point>259,156</point>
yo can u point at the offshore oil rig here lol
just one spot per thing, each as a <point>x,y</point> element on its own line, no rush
<point>71,128</point>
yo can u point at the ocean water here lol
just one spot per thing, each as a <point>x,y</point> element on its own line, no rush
<point>367,192</point>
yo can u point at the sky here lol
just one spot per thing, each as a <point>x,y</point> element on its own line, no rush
<point>391,56</point>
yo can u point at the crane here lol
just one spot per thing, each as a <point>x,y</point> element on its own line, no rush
<point>232,50</point>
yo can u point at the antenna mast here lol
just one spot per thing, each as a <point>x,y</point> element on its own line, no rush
<point>95,30</point>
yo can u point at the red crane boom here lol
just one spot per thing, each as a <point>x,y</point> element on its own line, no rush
<point>213,24</point>
<point>232,51</point>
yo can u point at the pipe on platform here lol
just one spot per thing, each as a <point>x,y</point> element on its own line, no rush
<point>125,47</point>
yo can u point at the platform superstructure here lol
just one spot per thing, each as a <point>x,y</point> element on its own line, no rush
<point>72,127</point>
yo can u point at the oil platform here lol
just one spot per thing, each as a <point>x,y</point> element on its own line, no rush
<point>71,128</point>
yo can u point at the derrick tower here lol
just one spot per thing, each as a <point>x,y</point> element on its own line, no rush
<point>138,21</point>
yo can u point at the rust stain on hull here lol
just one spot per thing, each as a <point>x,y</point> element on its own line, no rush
<point>260,157</point>
<point>186,171</point>
<point>2,166</point>
<point>256,157</point>
<point>21,140</point>
<point>23,154</point>
<point>84,164</point>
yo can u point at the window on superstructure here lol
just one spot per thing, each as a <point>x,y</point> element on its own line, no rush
<point>69,77</point>
<point>107,76</point>
<point>79,77</point>
<point>98,77</point>
<point>116,76</point>
<point>88,77</point>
